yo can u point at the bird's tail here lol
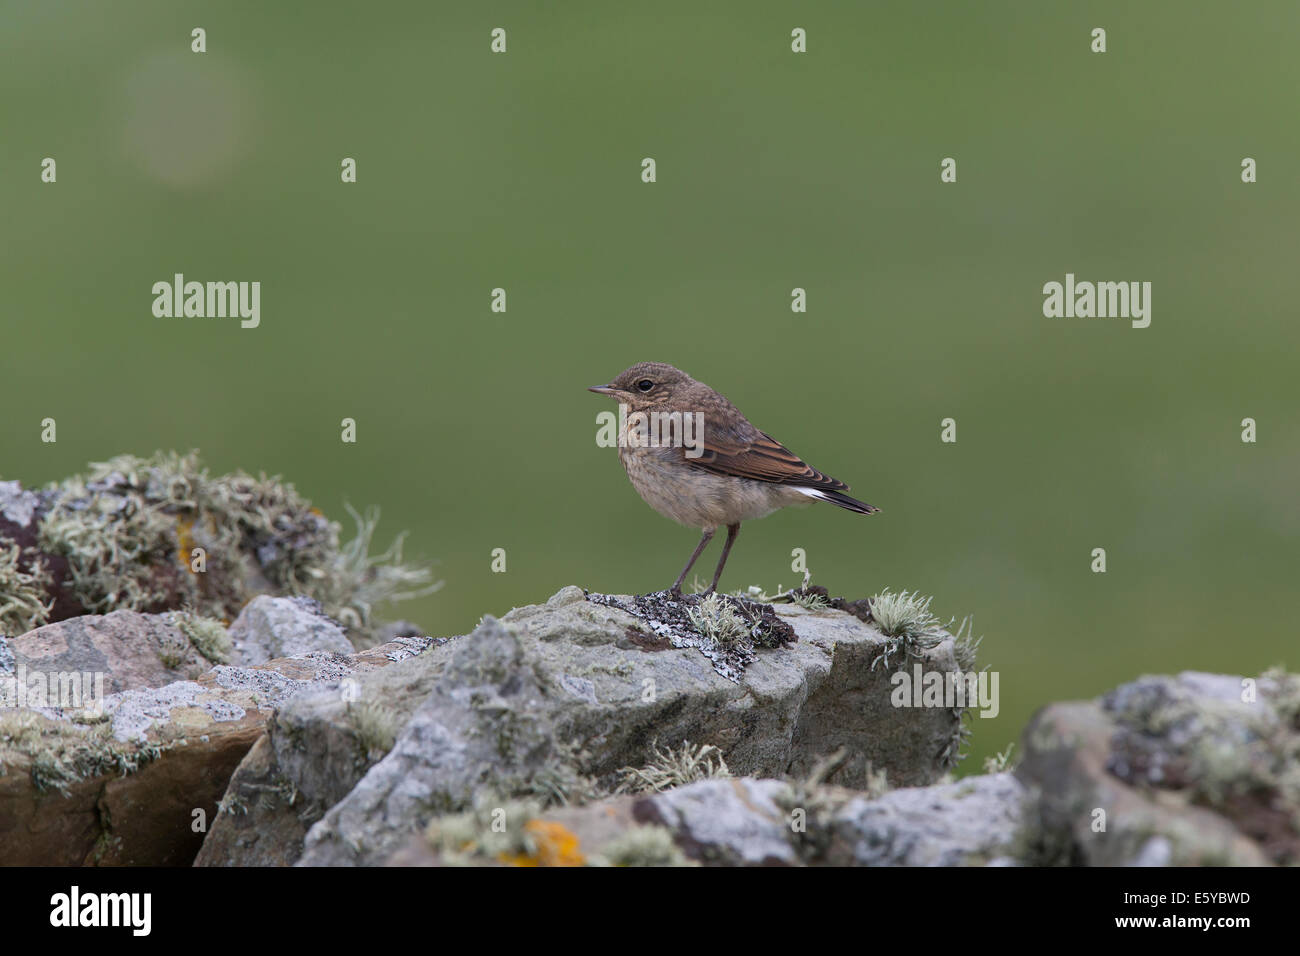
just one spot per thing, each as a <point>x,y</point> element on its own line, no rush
<point>841,499</point>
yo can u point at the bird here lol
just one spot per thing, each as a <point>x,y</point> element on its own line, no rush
<point>694,458</point>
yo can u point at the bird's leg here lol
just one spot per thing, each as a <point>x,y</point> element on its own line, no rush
<point>676,589</point>
<point>732,531</point>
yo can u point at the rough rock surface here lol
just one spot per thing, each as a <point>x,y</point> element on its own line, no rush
<point>273,627</point>
<point>554,694</point>
<point>124,787</point>
<point>735,822</point>
<point>312,755</point>
<point>328,758</point>
<point>972,821</point>
<point>1196,769</point>
<point>747,822</point>
<point>132,650</point>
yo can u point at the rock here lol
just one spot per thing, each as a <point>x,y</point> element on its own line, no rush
<point>599,834</point>
<point>311,757</point>
<point>125,787</point>
<point>274,627</point>
<point>1179,770</point>
<point>17,506</point>
<point>749,822</point>
<point>131,650</point>
<point>970,822</point>
<point>259,822</point>
<point>161,533</point>
<point>727,822</point>
<point>555,698</point>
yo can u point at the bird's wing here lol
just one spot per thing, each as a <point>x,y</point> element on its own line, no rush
<point>746,452</point>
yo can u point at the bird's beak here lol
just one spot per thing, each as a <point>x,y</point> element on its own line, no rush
<point>602,389</point>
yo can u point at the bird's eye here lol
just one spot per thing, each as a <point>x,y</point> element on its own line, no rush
<point>645,385</point>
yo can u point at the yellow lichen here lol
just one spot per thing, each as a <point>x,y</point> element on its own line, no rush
<point>554,845</point>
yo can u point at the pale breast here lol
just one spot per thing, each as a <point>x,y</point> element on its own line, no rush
<point>697,498</point>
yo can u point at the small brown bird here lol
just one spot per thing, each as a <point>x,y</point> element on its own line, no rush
<point>696,459</point>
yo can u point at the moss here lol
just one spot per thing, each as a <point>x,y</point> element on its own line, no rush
<point>673,768</point>
<point>129,527</point>
<point>24,590</point>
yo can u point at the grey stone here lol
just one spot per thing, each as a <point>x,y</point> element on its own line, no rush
<point>971,821</point>
<point>1165,770</point>
<point>273,627</point>
<point>520,699</point>
<point>17,505</point>
<point>725,822</point>
<point>129,649</point>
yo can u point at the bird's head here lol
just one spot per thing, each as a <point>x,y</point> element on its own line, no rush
<point>647,385</point>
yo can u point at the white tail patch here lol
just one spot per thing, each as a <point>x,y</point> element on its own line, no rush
<point>814,493</point>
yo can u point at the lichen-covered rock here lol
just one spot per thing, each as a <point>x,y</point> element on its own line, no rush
<point>316,748</point>
<point>554,696</point>
<point>259,822</point>
<point>127,785</point>
<point>1197,769</point>
<point>129,649</point>
<point>271,627</point>
<point>748,822</point>
<point>971,822</point>
<point>735,822</point>
<point>160,533</point>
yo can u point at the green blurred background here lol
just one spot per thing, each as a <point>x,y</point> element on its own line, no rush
<point>775,170</point>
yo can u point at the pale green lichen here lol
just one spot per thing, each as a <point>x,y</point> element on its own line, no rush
<point>362,581</point>
<point>907,620</point>
<point>649,845</point>
<point>965,646</point>
<point>208,636</point>
<point>1001,761</point>
<point>24,601</point>
<point>673,768</point>
<point>810,806</point>
<point>492,829</point>
<point>60,755</point>
<point>809,600</point>
<point>374,726</point>
<point>903,614</point>
<point>560,781</point>
<point>716,619</point>
<point>160,533</point>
